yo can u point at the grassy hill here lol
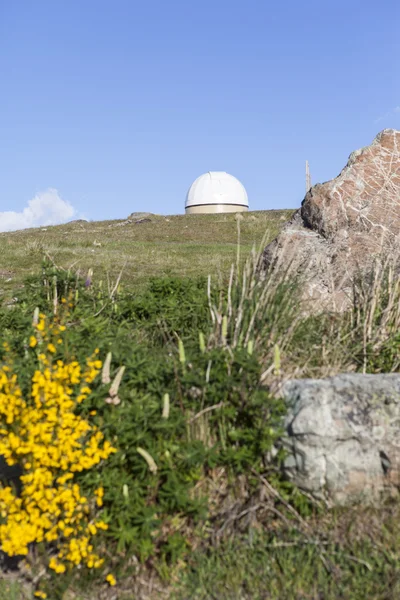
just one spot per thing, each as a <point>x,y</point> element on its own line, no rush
<point>180,245</point>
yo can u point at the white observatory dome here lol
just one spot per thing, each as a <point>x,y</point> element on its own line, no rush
<point>216,192</point>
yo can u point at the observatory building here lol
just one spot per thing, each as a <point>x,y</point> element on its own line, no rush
<point>216,192</point>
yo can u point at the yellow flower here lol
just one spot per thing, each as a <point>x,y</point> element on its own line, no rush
<point>44,434</point>
<point>40,594</point>
<point>111,579</point>
<point>32,341</point>
<point>41,325</point>
<point>56,566</point>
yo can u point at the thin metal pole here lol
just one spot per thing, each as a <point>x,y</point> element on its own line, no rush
<point>308,177</point>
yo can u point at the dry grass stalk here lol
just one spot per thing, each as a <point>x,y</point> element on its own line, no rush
<point>250,314</point>
<point>105,374</point>
<point>166,406</point>
<point>149,459</point>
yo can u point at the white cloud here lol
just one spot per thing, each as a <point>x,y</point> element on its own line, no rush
<point>46,208</point>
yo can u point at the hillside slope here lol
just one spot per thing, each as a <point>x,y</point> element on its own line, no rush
<point>184,245</point>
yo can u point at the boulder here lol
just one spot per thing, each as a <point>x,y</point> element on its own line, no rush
<point>140,215</point>
<point>343,225</point>
<point>343,436</point>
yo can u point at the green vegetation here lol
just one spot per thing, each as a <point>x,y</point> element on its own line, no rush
<point>178,418</point>
<point>183,245</point>
<point>360,550</point>
<point>11,591</point>
<point>193,497</point>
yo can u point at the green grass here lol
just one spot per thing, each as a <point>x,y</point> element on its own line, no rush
<point>242,571</point>
<point>184,245</point>
<point>356,559</point>
<point>362,558</point>
<point>11,590</point>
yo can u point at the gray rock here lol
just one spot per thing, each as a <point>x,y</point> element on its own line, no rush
<point>343,436</point>
<point>140,215</point>
<point>122,224</point>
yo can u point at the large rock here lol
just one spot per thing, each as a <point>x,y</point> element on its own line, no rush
<point>343,436</point>
<point>344,224</point>
<point>135,216</point>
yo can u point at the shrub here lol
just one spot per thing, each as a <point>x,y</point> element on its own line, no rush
<point>183,409</point>
<point>50,443</point>
<point>169,306</point>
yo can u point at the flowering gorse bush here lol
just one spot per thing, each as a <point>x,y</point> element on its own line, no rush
<point>186,415</point>
<point>41,432</point>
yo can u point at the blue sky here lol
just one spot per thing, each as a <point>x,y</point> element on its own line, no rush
<point>117,106</point>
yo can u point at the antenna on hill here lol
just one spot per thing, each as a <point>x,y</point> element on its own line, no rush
<point>308,177</point>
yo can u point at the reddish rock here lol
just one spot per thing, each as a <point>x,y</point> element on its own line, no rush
<point>344,224</point>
